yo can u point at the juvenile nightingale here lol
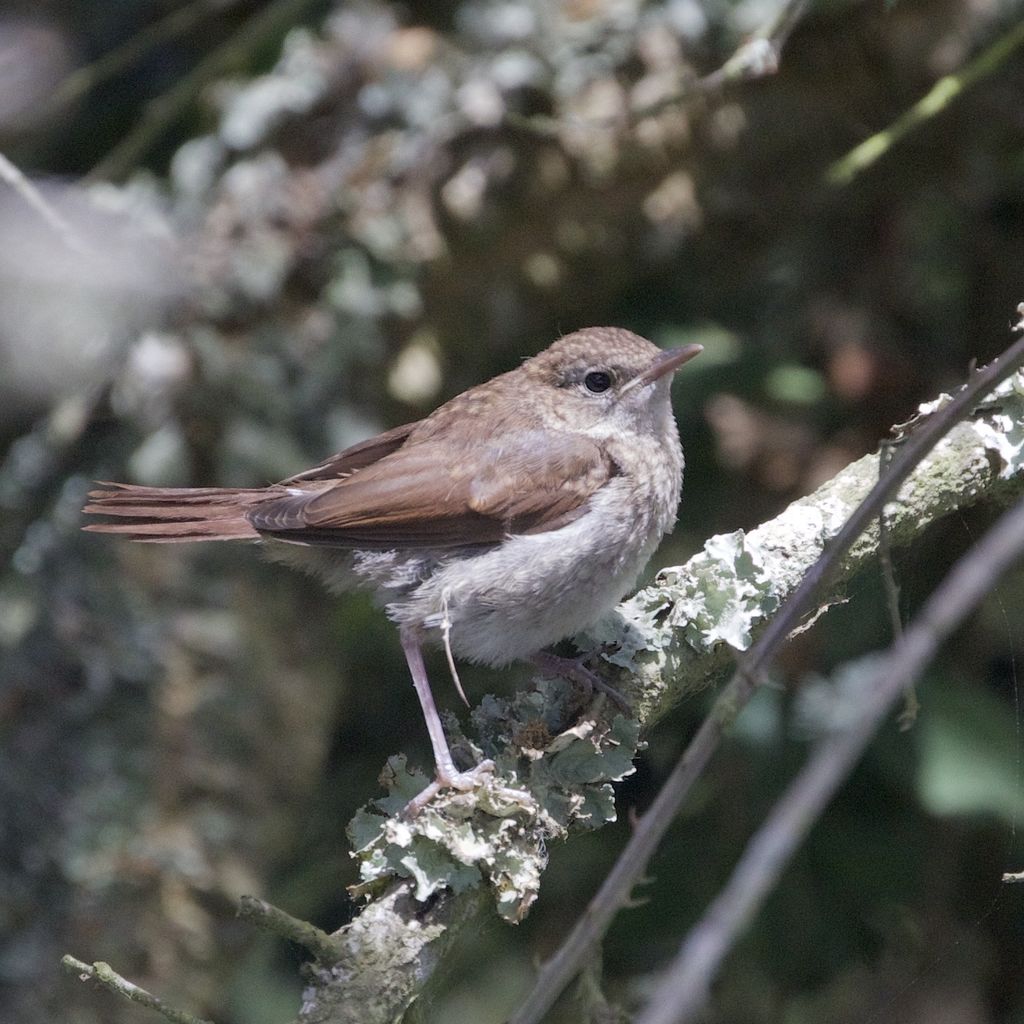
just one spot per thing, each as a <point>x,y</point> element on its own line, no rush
<point>513,516</point>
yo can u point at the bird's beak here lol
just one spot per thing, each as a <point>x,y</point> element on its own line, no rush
<point>666,362</point>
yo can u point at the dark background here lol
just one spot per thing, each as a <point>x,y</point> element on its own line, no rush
<point>294,224</point>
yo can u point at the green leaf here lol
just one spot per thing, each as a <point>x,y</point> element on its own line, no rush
<point>970,752</point>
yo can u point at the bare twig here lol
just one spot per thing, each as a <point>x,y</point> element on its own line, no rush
<point>756,57</point>
<point>760,54</point>
<point>104,975</point>
<point>687,980</point>
<point>633,860</point>
<point>54,219</point>
<point>272,919</point>
<point>940,96</point>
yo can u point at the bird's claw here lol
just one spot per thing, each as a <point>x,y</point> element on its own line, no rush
<point>576,671</point>
<point>463,782</point>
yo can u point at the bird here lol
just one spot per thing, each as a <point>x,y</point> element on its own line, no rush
<point>512,517</point>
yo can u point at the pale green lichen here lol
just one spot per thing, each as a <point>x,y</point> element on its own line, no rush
<point>546,781</point>
<point>717,597</point>
<point>1002,428</point>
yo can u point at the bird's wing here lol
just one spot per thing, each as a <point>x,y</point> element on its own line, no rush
<point>356,456</point>
<point>423,495</point>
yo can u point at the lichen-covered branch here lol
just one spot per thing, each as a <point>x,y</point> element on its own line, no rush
<point>671,639</point>
<point>877,681</point>
<point>103,974</point>
<point>388,955</point>
<point>272,919</point>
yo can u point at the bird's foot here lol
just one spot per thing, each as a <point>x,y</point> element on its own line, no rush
<point>448,778</point>
<point>576,671</point>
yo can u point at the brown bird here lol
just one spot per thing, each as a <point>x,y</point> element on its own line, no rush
<point>511,517</point>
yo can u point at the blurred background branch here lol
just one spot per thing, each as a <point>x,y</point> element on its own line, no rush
<point>108,978</point>
<point>178,22</point>
<point>944,92</point>
<point>53,219</point>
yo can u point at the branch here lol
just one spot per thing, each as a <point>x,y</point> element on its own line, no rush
<point>685,988</point>
<point>940,96</point>
<point>760,54</point>
<point>670,640</point>
<point>272,919</point>
<point>104,975</point>
<point>387,956</point>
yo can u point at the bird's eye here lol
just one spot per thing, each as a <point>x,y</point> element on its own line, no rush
<point>597,381</point>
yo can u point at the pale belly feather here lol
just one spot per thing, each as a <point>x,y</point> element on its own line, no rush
<point>533,590</point>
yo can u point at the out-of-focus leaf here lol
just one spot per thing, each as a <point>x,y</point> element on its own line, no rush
<point>970,754</point>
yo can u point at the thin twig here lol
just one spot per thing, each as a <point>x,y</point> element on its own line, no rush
<point>760,54</point>
<point>54,219</point>
<point>272,919</point>
<point>632,862</point>
<point>940,96</point>
<point>160,113</point>
<point>106,976</point>
<point>684,991</point>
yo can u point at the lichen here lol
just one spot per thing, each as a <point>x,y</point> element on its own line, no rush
<point>499,832</point>
<point>554,768</point>
<point>717,597</point>
<point>1002,427</point>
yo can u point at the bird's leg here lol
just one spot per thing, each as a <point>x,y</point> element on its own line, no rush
<point>446,774</point>
<point>575,671</point>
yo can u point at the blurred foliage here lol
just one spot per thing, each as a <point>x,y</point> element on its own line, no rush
<point>349,213</point>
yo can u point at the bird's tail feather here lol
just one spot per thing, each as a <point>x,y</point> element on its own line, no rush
<point>175,514</point>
